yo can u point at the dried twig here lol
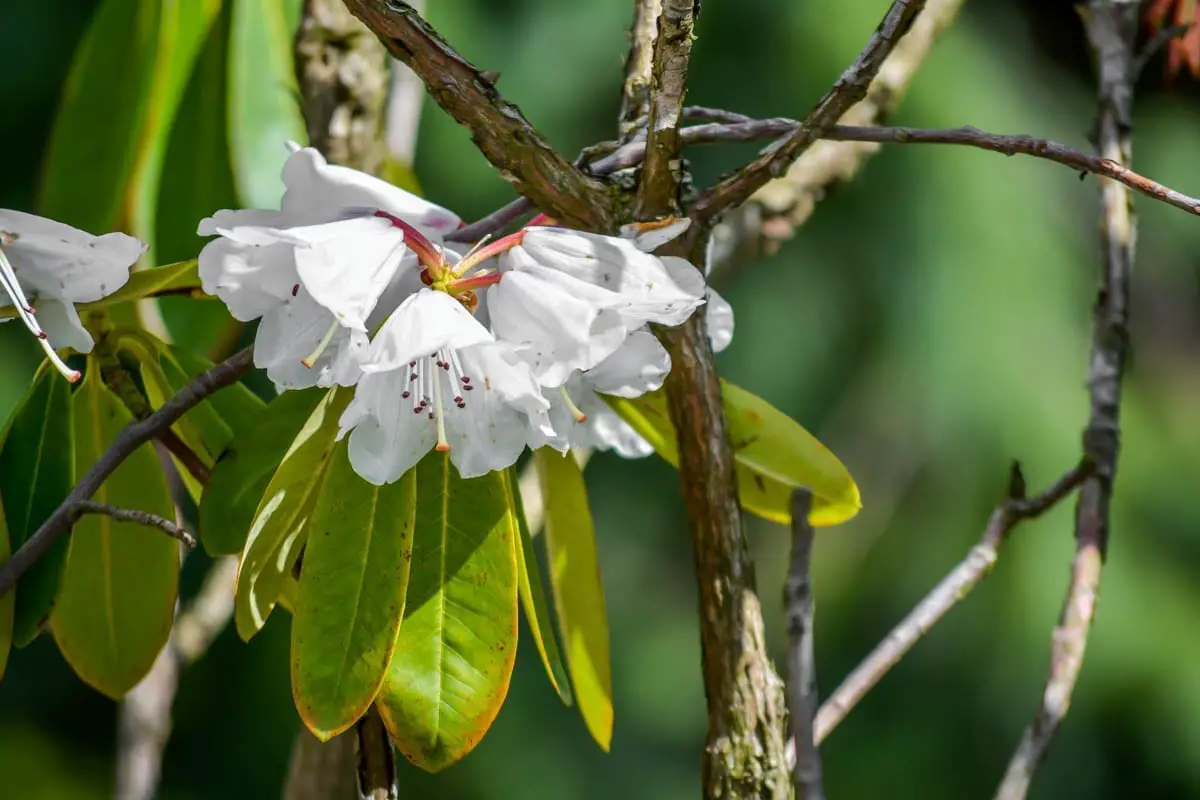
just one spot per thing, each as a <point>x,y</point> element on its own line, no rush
<point>850,88</point>
<point>498,128</point>
<point>1112,27</point>
<point>133,436</point>
<point>635,91</point>
<point>969,573</point>
<point>140,517</point>
<point>801,665</point>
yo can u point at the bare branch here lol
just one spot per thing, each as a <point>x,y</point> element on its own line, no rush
<point>969,573</point>
<point>139,517</point>
<point>801,665</point>
<point>513,146</point>
<point>405,99</point>
<point>321,770</point>
<point>850,88</point>
<point>635,92</point>
<point>376,758</point>
<point>342,72</point>
<point>133,436</point>
<point>659,185</point>
<point>1112,27</point>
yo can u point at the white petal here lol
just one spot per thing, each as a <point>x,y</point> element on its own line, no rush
<point>54,259</point>
<point>347,274</point>
<point>649,236</point>
<point>250,280</point>
<point>493,428</point>
<point>610,432</point>
<point>291,332</point>
<point>388,439</point>
<point>639,366</point>
<point>61,323</point>
<point>424,323</point>
<point>646,288</point>
<point>318,191</point>
<point>249,217</point>
<point>558,332</point>
<point>719,321</point>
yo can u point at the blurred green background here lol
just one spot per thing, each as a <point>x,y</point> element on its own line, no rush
<point>930,323</point>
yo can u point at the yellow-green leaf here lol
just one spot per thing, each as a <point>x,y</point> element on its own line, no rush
<point>533,595</point>
<point>453,661</point>
<point>774,455</point>
<point>578,592</point>
<point>352,590</point>
<point>36,471</point>
<point>6,602</point>
<point>281,522</point>
<point>118,593</point>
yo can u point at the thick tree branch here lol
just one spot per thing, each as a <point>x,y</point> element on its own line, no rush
<point>342,72</point>
<point>801,664</point>
<point>1112,27</point>
<point>969,573</point>
<point>672,51</point>
<point>850,88</point>
<point>139,517</point>
<point>133,436</point>
<point>376,758</point>
<point>635,92</point>
<point>498,128</point>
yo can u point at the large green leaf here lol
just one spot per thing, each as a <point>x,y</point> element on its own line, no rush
<point>106,150</point>
<point>6,602</point>
<point>578,593</point>
<point>533,595</point>
<point>119,588</point>
<point>244,470</point>
<point>774,455</point>
<point>281,522</point>
<point>352,590</point>
<point>264,109</point>
<point>36,470</point>
<point>454,657</point>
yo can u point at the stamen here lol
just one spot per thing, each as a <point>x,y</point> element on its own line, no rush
<point>8,279</point>
<point>312,357</point>
<point>442,445</point>
<point>480,279</point>
<point>574,409</point>
<point>456,378</point>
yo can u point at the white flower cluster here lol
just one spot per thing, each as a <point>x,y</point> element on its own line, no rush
<point>480,352</point>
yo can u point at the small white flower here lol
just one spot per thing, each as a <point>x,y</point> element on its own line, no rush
<point>572,298</point>
<point>437,378</point>
<point>316,269</point>
<point>46,267</point>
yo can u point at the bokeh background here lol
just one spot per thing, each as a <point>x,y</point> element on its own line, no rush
<point>930,323</point>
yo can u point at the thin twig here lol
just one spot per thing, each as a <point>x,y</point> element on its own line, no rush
<point>850,88</point>
<point>969,573</point>
<point>133,436</point>
<point>1112,27</point>
<point>802,691</point>
<point>136,516</point>
<point>518,151</point>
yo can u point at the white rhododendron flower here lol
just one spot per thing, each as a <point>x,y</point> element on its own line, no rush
<point>572,298</point>
<point>315,270</point>
<point>46,267</point>
<point>437,378</point>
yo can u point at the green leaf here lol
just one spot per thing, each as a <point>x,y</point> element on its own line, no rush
<point>454,657</point>
<point>6,602</point>
<point>36,471</point>
<point>243,472</point>
<point>119,588</point>
<point>281,521</point>
<point>578,592</point>
<point>182,277</point>
<point>237,407</point>
<point>774,455</point>
<point>533,595</point>
<point>106,149</point>
<point>264,108</point>
<point>352,590</point>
